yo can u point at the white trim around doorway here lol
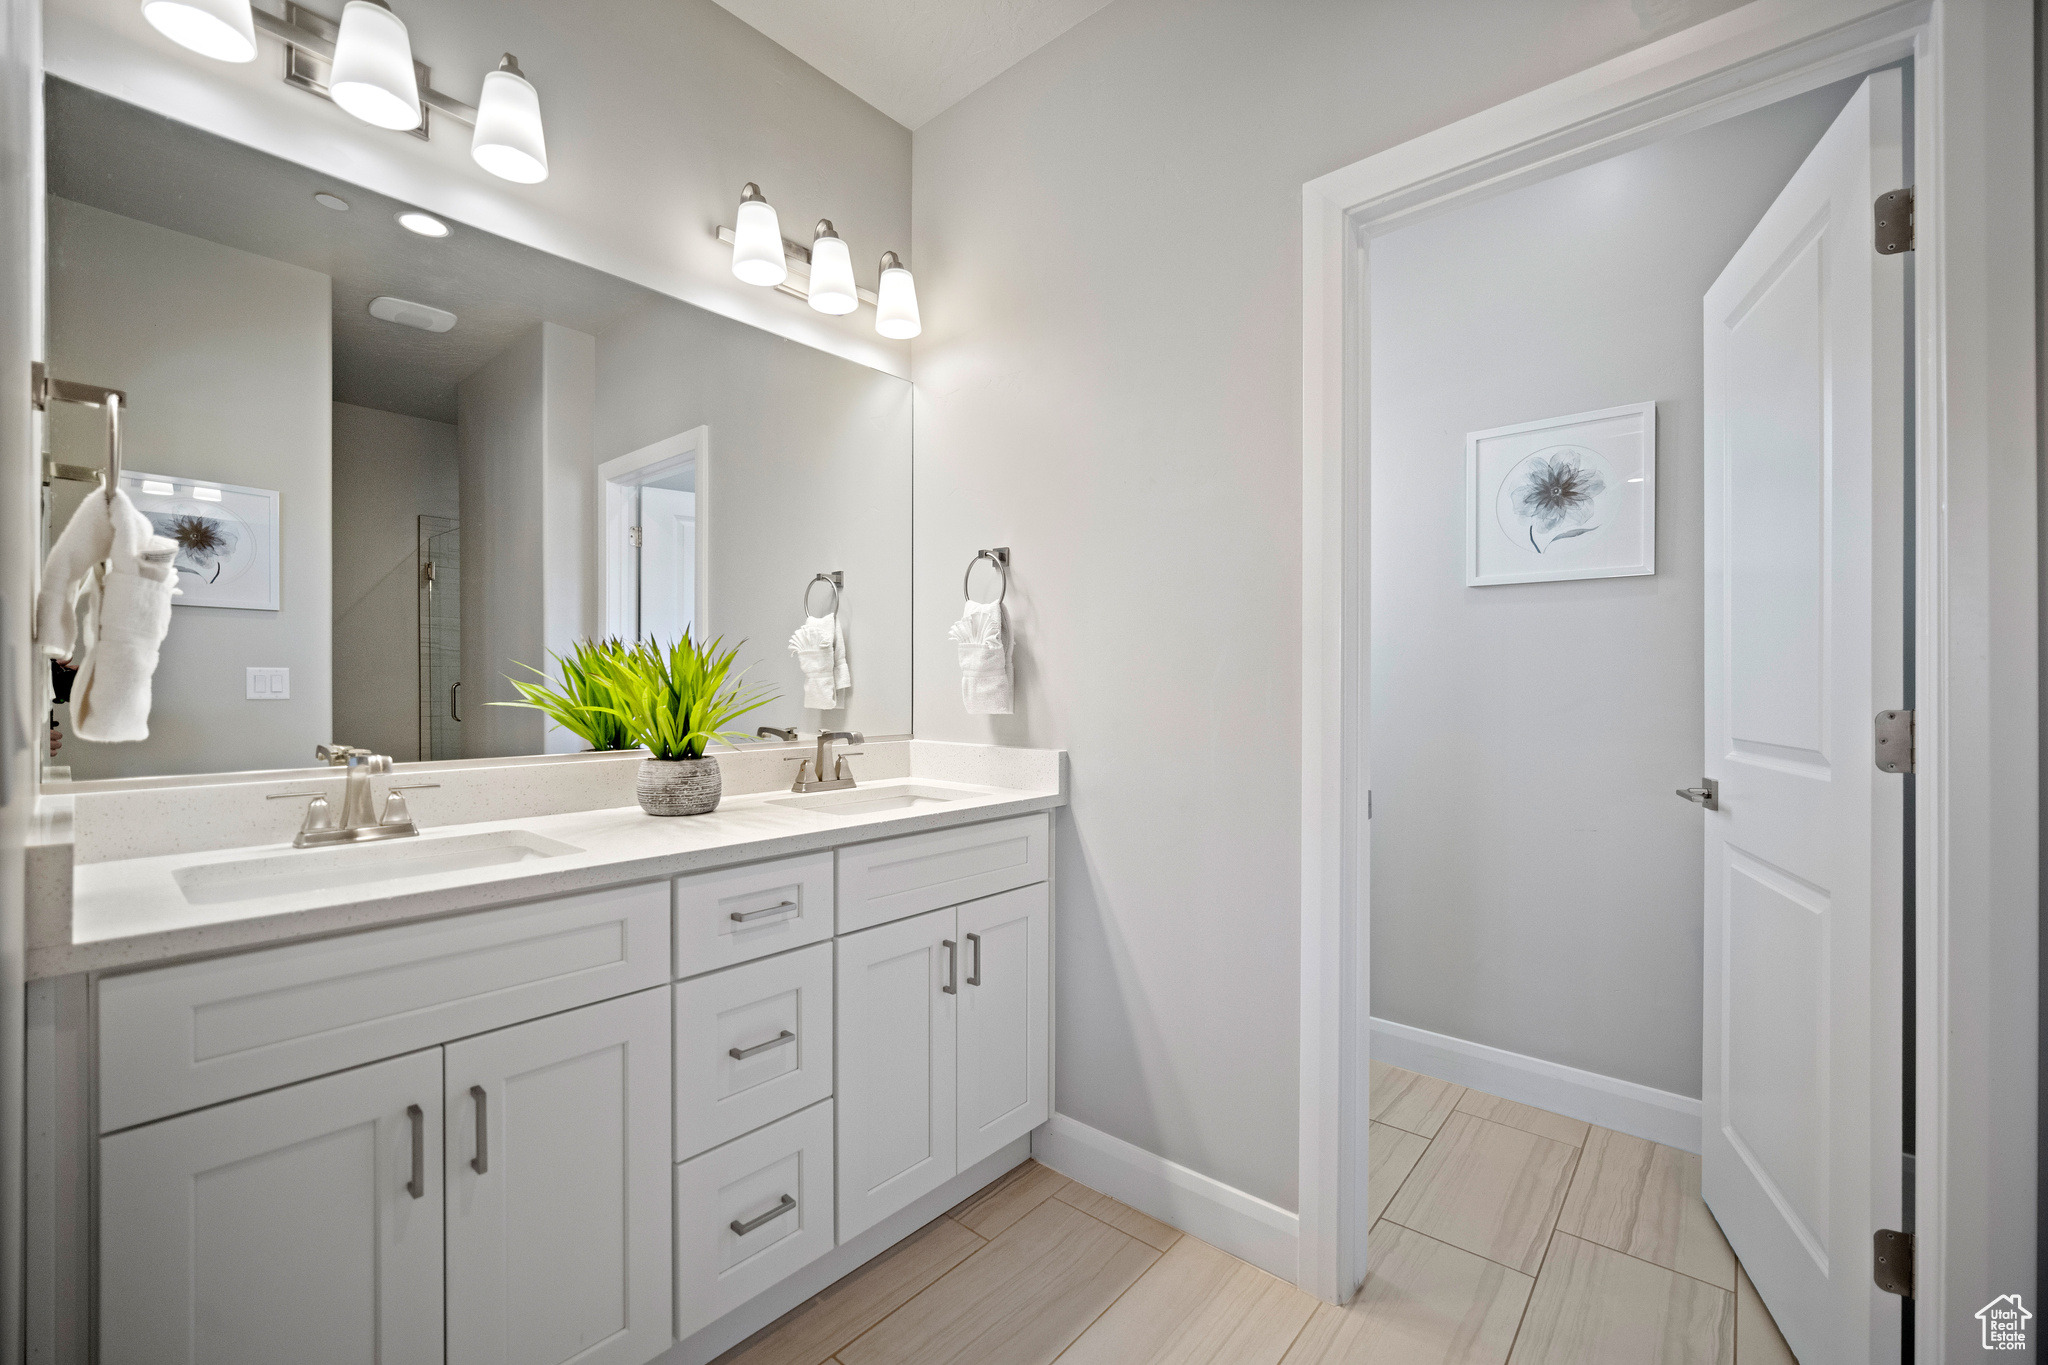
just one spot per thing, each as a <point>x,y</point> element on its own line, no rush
<point>1974,300</point>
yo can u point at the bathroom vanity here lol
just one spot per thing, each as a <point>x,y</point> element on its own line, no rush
<point>568,1086</point>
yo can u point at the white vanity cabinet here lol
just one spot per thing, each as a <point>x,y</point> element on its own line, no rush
<point>943,1039</point>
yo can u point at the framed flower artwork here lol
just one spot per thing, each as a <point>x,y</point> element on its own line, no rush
<point>226,535</point>
<point>1566,497</point>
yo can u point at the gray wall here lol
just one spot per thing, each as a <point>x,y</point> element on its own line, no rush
<point>225,358</point>
<point>524,435</point>
<point>389,470</point>
<point>1108,254</point>
<point>1535,885</point>
<point>810,460</point>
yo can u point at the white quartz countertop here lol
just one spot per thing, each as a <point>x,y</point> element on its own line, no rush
<point>133,912</point>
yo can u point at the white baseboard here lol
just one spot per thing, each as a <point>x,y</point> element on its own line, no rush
<point>1624,1106</point>
<point>1244,1225</point>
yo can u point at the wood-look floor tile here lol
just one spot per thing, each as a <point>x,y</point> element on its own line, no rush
<point>1757,1339</point>
<point>1644,1198</point>
<point>1528,1118</point>
<point>1423,1303</point>
<point>1493,1190</point>
<point>1596,1306</point>
<point>1391,1155</point>
<point>812,1331</point>
<point>1197,1306</point>
<point>989,1190</point>
<point>1147,1229</point>
<point>1417,1103</point>
<point>1020,1300</point>
<point>996,1208</point>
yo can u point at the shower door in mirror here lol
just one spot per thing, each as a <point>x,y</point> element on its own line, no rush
<point>440,638</point>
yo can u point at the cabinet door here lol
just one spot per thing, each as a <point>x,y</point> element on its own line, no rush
<point>558,1188</point>
<point>301,1225</point>
<point>895,998</point>
<point>1005,1003</point>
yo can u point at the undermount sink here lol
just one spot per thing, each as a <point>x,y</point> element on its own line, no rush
<point>868,800</point>
<point>285,874</point>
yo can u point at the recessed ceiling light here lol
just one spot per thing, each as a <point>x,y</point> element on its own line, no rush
<point>425,224</point>
<point>331,201</point>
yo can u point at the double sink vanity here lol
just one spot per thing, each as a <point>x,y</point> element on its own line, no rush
<point>567,1083</point>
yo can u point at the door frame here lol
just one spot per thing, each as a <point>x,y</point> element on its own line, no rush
<point>692,447</point>
<point>1975,582</point>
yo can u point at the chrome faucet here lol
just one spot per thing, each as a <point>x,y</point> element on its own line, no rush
<point>359,821</point>
<point>810,774</point>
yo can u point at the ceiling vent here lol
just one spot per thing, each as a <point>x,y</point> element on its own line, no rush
<point>406,313</point>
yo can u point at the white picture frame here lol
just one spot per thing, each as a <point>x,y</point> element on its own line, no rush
<point>239,568</point>
<point>1562,498</point>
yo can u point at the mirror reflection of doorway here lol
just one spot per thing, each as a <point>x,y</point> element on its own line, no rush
<point>653,551</point>
<point>440,637</point>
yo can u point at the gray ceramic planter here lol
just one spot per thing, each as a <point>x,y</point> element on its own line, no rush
<point>678,786</point>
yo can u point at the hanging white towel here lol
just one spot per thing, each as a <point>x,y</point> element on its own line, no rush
<point>820,648</point>
<point>110,555</point>
<point>982,635</point>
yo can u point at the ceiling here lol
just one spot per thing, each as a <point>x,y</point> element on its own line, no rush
<point>116,157</point>
<point>912,59</point>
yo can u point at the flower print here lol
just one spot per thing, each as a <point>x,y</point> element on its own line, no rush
<point>1558,488</point>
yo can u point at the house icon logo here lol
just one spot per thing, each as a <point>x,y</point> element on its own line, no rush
<point>2005,1321</point>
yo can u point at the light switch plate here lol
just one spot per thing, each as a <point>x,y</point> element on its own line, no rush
<point>270,684</point>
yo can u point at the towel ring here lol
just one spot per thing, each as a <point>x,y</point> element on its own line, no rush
<point>1000,557</point>
<point>831,580</point>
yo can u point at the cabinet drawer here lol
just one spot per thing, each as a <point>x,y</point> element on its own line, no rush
<point>777,1013</point>
<point>787,903</point>
<point>746,1183</point>
<point>897,877</point>
<point>176,1038</point>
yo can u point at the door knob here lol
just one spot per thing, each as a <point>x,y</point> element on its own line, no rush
<point>1707,793</point>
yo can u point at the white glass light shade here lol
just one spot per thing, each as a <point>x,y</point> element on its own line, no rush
<point>831,274</point>
<point>373,76</point>
<point>757,256</point>
<point>221,29</point>
<point>896,302</point>
<point>508,142</point>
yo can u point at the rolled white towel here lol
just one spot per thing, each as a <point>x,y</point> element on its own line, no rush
<point>820,648</point>
<point>131,614</point>
<point>982,636</point>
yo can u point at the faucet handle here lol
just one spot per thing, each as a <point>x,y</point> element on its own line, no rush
<point>338,754</point>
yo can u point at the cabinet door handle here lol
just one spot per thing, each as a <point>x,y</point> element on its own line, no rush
<point>952,986</point>
<point>742,916</point>
<point>740,1054</point>
<point>417,1186</point>
<point>455,701</point>
<point>744,1228</point>
<point>974,978</point>
<point>481,1162</point>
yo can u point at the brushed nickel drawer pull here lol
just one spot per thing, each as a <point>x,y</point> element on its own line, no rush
<point>417,1186</point>
<point>744,1228</point>
<point>481,1162</point>
<point>974,978</point>
<point>742,916</point>
<point>952,986</point>
<point>740,1054</point>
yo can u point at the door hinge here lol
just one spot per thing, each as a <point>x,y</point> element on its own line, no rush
<point>1896,742</point>
<point>1894,213</point>
<point>633,536</point>
<point>1891,1261</point>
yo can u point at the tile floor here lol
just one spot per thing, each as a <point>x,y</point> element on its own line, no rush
<point>1505,1235</point>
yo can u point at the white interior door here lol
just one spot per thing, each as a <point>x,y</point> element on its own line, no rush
<point>668,563</point>
<point>300,1225</point>
<point>558,1189</point>
<point>1805,368</point>
<point>897,986</point>
<point>1005,998</point>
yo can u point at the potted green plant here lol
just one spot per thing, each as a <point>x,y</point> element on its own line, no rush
<point>674,701</point>
<point>582,703</point>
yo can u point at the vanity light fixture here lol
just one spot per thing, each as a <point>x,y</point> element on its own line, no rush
<point>224,30</point>
<point>372,76</point>
<point>896,301</point>
<point>425,224</point>
<point>205,494</point>
<point>832,288</point>
<point>509,142</point>
<point>161,490</point>
<point>757,249</point>
<point>365,65</point>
